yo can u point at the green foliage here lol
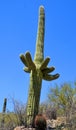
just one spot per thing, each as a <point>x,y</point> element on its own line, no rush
<point>9,122</point>
<point>15,118</point>
<point>63,98</point>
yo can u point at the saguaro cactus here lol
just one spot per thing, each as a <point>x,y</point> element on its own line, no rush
<point>38,70</point>
<point>3,112</point>
<point>4,105</point>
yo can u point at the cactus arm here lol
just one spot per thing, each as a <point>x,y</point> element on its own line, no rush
<point>45,63</point>
<point>48,70</point>
<point>29,61</point>
<point>50,77</point>
<point>26,69</point>
<point>23,59</point>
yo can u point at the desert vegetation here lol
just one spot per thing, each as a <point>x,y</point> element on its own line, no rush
<point>61,103</point>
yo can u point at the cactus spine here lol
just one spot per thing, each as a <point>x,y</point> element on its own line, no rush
<point>38,70</point>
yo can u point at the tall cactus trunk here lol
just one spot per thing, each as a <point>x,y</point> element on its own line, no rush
<point>38,70</point>
<point>34,97</point>
<point>36,76</point>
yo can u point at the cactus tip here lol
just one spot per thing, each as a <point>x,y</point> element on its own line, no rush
<point>20,55</point>
<point>41,8</point>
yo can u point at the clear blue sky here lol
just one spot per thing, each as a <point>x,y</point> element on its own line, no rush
<point>18,29</point>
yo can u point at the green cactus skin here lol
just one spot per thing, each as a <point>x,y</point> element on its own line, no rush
<point>4,105</point>
<point>38,70</point>
<point>3,112</point>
